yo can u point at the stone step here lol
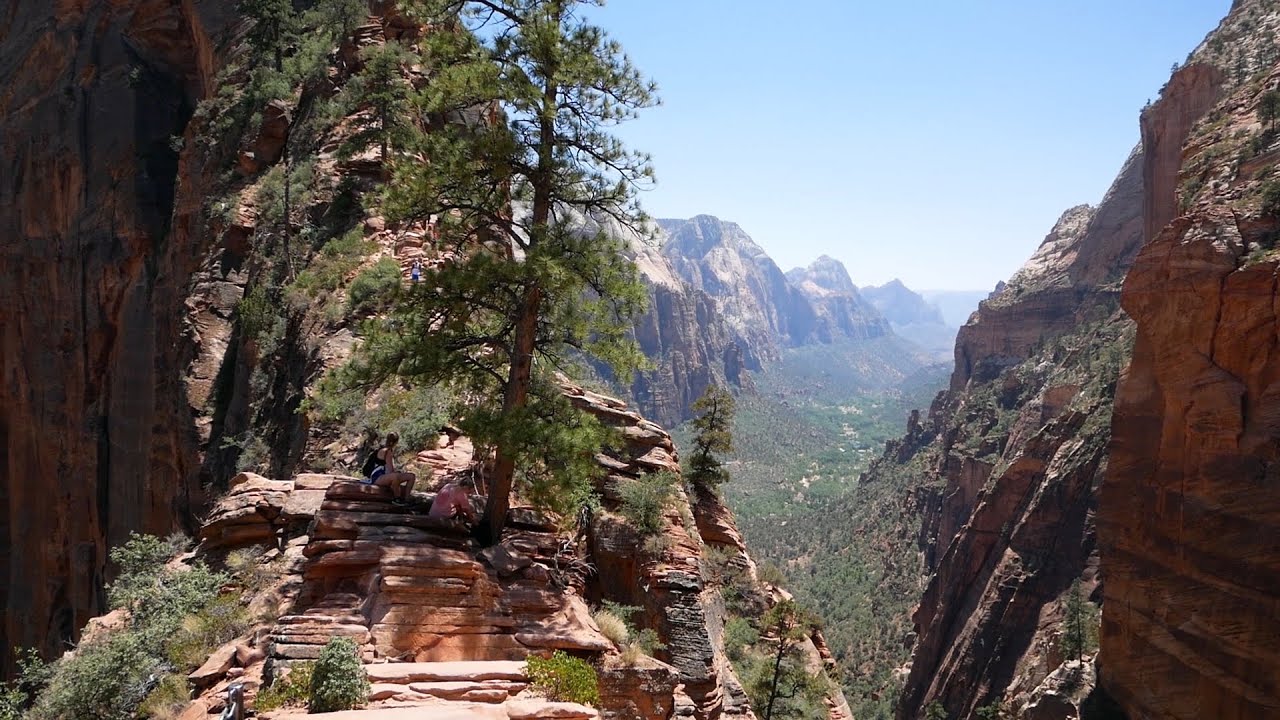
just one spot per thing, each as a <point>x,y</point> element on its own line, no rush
<point>459,671</point>
<point>446,710</point>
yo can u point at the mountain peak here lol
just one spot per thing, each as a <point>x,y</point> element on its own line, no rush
<point>824,276</point>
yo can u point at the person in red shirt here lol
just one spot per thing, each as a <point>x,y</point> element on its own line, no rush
<point>454,501</point>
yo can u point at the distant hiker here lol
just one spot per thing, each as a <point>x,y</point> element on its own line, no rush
<point>416,271</point>
<point>379,469</point>
<point>453,501</point>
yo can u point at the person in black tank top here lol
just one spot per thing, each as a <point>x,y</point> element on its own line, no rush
<point>379,469</point>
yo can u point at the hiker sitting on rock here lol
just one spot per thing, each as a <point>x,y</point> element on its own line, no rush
<point>379,469</point>
<point>454,501</point>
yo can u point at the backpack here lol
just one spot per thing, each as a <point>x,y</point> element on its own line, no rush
<point>372,463</point>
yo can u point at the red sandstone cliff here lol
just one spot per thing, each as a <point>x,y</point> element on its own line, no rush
<point>1188,516</point>
<point>1024,463</point>
<point>95,432</point>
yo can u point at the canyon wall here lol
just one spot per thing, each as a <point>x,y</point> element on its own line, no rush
<point>95,433</point>
<point>1188,516</point>
<point>1017,454</point>
<point>1163,512</point>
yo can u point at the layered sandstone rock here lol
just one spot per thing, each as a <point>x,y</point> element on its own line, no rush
<point>1190,510</point>
<point>444,624</point>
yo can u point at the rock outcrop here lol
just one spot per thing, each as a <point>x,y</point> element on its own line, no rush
<point>95,431</point>
<point>443,624</point>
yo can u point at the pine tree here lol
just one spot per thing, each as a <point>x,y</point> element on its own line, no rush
<point>1075,623</point>
<point>526,182</point>
<point>713,428</point>
<point>1269,109</point>
<point>381,88</point>
<point>273,20</point>
<point>786,689</point>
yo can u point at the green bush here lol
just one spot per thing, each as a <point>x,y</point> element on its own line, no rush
<point>32,676</point>
<point>213,626</point>
<point>1271,198</point>
<point>174,612</point>
<point>291,689</point>
<point>644,500</point>
<point>373,288</point>
<point>104,680</point>
<point>564,678</point>
<point>328,270</point>
<point>739,635</point>
<point>338,681</point>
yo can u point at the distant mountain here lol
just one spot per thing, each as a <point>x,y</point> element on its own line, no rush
<point>844,312</point>
<point>683,334</point>
<point>912,317</point>
<point>901,306</point>
<point>767,310</point>
<point>956,305</point>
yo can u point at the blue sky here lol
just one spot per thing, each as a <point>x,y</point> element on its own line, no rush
<point>936,141</point>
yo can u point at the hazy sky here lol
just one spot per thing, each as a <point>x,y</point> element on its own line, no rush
<point>936,141</point>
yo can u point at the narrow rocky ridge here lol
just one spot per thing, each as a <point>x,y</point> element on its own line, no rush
<point>435,616</point>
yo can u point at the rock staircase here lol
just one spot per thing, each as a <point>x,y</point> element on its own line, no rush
<point>446,690</point>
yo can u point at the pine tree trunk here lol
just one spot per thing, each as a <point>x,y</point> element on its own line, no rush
<point>520,377</point>
<point>777,670</point>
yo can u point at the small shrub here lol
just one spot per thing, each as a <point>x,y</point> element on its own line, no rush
<point>32,676</point>
<point>739,637</point>
<point>1271,199</point>
<point>329,269</point>
<point>215,625</point>
<point>657,545</point>
<point>246,567</point>
<point>646,499</point>
<point>771,574</point>
<point>338,681</point>
<point>104,680</point>
<point>373,288</point>
<point>612,627</point>
<point>257,313</point>
<point>288,690</point>
<point>564,678</point>
<point>644,644</point>
<point>167,700</point>
<point>647,642</point>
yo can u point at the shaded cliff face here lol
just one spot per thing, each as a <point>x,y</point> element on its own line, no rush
<point>1168,554</point>
<point>95,432</point>
<point>1189,513</point>
<point>687,339</point>
<point>1009,482</point>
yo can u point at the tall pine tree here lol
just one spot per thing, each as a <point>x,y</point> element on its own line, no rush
<point>525,180</point>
